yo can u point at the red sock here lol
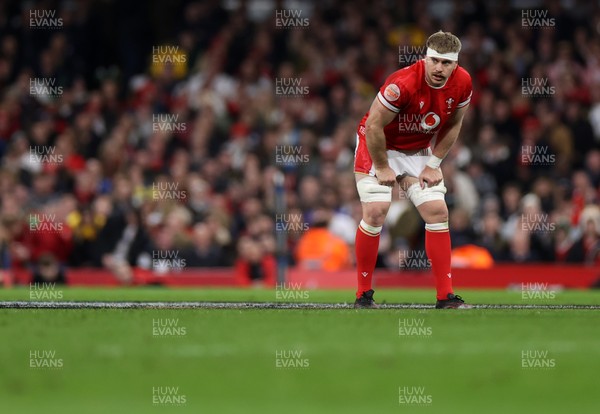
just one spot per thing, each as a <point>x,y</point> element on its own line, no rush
<point>366,245</point>
<point>437,246</point>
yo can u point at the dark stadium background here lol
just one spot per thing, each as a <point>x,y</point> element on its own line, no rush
<point>158,167</point>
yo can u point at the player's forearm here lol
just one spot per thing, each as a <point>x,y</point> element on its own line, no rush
<point>443,145</point>
<point>375,138</point>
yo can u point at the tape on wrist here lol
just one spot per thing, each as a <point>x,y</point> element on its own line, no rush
<point>434,162</point>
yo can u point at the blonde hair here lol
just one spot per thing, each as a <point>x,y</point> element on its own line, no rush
<point>590,213</point>
<point>444,42</point>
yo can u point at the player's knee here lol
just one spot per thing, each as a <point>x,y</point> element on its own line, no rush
<point>439,216</point>
<point>433,213</point>
<point>374,213</point>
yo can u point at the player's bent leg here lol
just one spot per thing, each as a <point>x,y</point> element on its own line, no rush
<point>432,208</point>
<point>375,200</point>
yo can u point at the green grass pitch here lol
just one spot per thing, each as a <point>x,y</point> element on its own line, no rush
<point>299,360</point>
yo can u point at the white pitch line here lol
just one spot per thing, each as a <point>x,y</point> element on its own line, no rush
<point>251,305</point>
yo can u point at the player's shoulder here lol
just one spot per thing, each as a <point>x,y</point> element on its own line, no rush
<point>399,86</point>
<point>407,78</point>
<point>462,76</point>
<point>407,74</point>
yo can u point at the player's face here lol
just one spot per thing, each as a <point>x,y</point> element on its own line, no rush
<point>437,71</point>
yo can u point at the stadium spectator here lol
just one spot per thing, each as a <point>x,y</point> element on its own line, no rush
<point>461,230</point>
<point>204,252</point>
<point>319,249</point>
<point>586,248</point>
<point>490,236</point>
<point>592,167</point>
<point>254,265</point>
<point>122,243</point>
<point>48,270</point>
<point>231,118</point>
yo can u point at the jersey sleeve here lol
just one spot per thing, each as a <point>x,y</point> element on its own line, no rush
<point>392,94</point>
<point>465,98</point>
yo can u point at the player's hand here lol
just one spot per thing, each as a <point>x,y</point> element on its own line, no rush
<point>385,176</point>
<point>430,177</point>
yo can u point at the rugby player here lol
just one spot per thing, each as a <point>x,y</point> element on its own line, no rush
<point>409,129</point>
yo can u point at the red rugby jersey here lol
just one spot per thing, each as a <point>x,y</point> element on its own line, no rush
<point>422,109</point>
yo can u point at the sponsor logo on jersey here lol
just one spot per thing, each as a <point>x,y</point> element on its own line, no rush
<point>430,121</point>
<point>392,92</point>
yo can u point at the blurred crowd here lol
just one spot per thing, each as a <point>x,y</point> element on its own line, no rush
<point>136,155</point>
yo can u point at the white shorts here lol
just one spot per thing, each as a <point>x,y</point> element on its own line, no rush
<point>404,164</point>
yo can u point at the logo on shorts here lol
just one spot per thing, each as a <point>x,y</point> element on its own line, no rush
<point>392,92</point>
